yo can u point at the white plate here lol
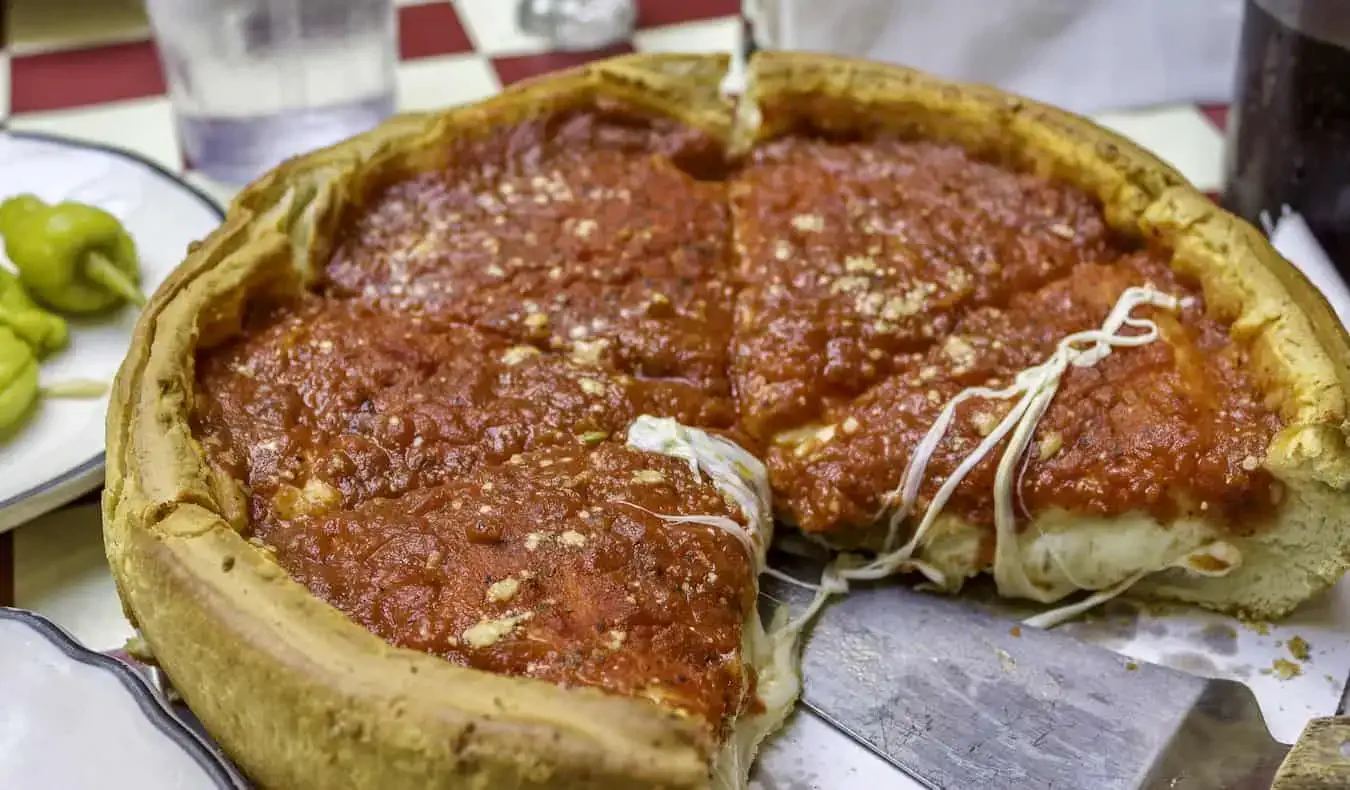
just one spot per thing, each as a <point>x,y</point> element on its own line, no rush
<point>57,455</point>
<point>77,719</point>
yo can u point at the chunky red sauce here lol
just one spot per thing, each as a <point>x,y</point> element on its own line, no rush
<point>378,402</point>
<point>1171,428</point>
<point>433,440</point>
<point>580,236</point>
<point>546,567</point>
<point>856,255</point>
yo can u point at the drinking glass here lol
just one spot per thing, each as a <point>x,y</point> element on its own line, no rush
<point>577,24</point>
<point>254,82</point>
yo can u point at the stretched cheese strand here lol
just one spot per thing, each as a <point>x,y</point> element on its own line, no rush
<point>1034,389</point>
<point>773,652</point>
<point>744,481</point>
<point>723,523</point>
<point>1063,614</point>
<point>737,474</point>
<point>1009,572</point>
<point>1226,554</point>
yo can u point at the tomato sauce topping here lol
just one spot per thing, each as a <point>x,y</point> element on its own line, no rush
<point>578,234</point>
<point>549,566</point>
<point>433,440</point>
<point>1172,428</point>
<point>857,254</point>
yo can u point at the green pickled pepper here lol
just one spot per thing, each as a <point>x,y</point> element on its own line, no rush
<point>18,379</point>
<point>44,332</point>
<point>71,257</point>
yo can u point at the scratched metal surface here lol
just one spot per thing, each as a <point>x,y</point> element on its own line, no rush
<point>811,753</point>
<point>947,691</point>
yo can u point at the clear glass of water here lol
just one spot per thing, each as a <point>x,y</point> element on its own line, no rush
<point>254,82</point>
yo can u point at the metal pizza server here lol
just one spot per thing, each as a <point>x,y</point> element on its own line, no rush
<point>909,690</point>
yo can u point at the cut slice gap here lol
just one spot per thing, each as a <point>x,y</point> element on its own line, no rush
<point>774,652</point>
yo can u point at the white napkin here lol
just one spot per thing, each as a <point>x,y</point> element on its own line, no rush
<point>1084,55</point>
<point>1292,239</point>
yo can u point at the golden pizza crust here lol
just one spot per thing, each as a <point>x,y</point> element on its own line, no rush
<point>303,697</point>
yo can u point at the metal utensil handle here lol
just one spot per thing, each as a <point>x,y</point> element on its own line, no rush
<point>1320,760</point>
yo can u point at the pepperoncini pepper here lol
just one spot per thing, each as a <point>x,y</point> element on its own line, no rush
<point>44,332</point>
<point>72,257</point>
<point>18,379</point>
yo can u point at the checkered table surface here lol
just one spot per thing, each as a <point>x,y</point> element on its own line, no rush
<point>88,69</point>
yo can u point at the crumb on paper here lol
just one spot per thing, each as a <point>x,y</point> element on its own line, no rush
<point>1298,648</point>
<point>1005,661</point>
<point>1016,630</point>
<point>1259,626</point>
<point>1285,669</point>
<point>1131,666</point>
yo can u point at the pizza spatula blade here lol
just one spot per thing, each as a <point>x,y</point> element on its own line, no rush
<point>956,697</point>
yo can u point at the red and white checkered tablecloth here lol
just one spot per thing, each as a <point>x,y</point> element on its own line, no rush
<point>451,52</point>
<point>88,69</point>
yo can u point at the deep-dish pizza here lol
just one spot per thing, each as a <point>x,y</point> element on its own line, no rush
<point>452,458</point>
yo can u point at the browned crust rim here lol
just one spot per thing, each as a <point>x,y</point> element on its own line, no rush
<point>341,708</point>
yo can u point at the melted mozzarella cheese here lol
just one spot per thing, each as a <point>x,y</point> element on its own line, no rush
<point>773,652</point>
<point>737,474</point>
<point>1212,559</point>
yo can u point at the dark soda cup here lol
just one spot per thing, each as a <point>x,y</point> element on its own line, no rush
<point>1289,126</point>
